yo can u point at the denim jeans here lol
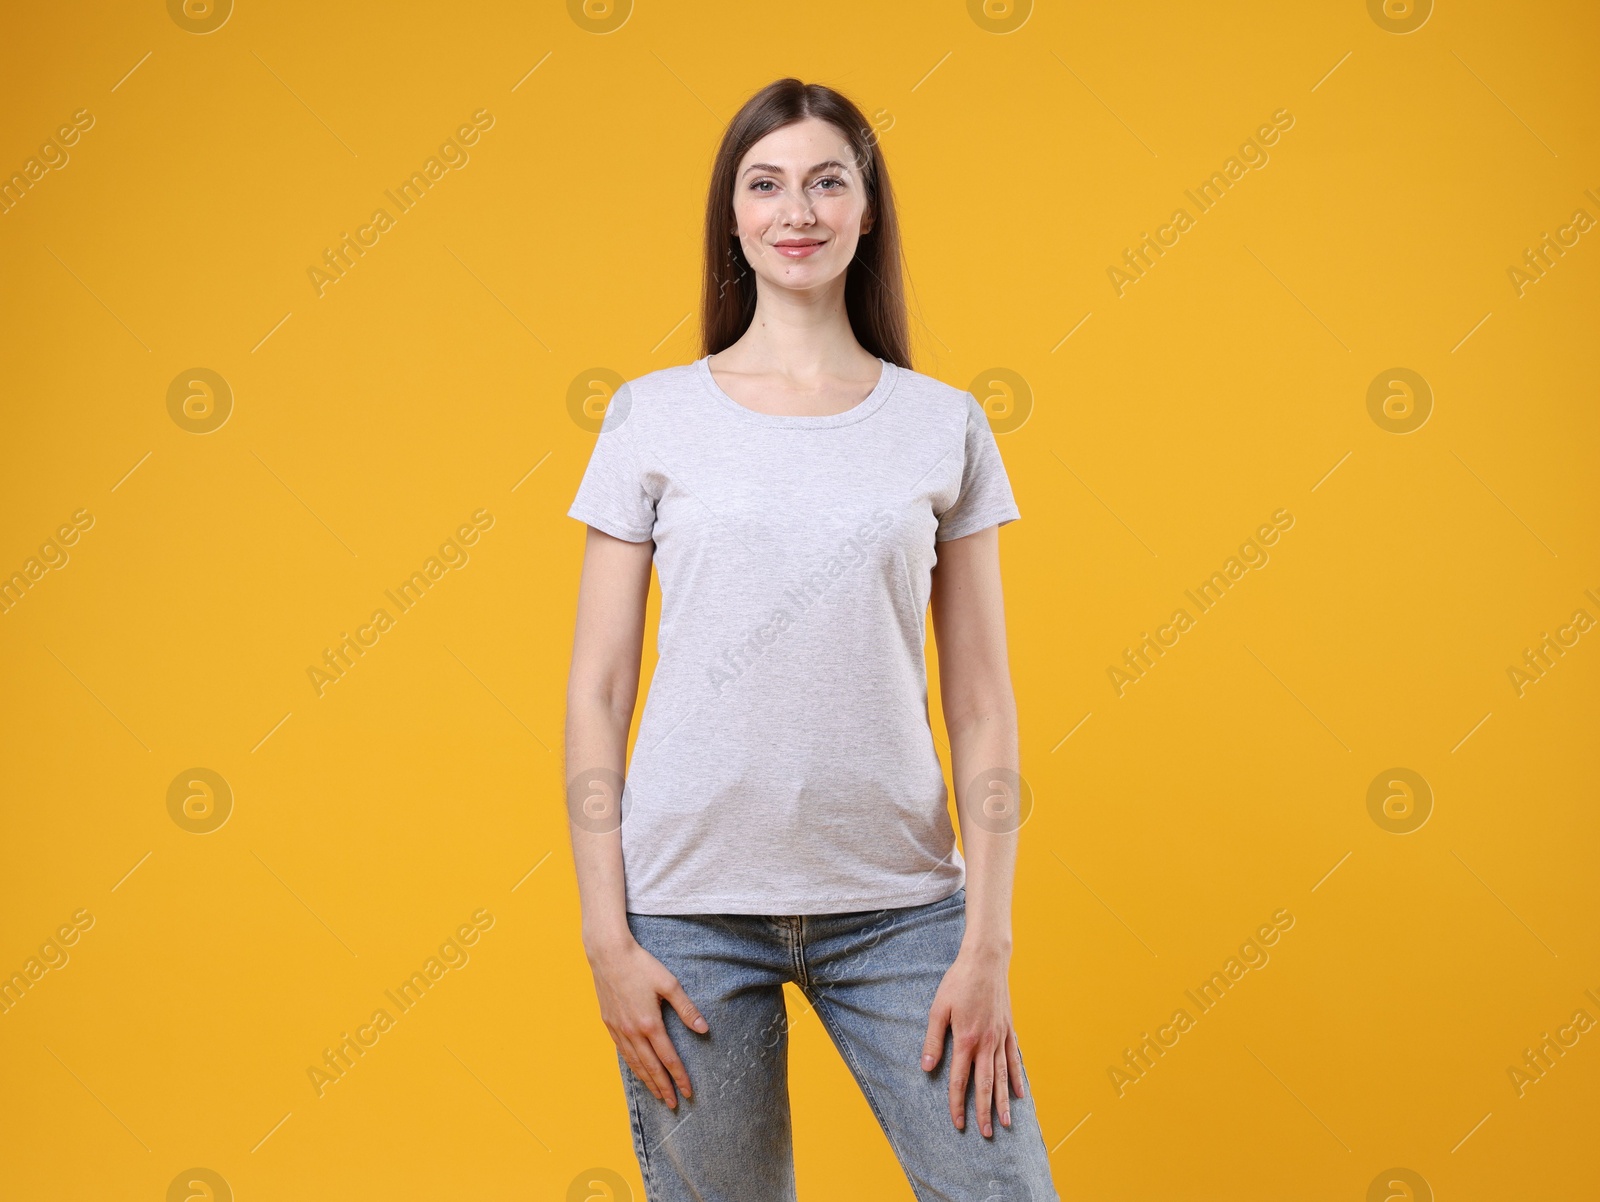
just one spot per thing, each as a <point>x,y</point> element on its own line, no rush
<point>871,977</point>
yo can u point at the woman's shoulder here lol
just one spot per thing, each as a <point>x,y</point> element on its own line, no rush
<point>932,387</point>
<point>644,397</point>
<point>930,396</point>
<point>662,381</point>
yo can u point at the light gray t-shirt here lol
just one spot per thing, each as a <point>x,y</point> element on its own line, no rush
<point>784,763</point>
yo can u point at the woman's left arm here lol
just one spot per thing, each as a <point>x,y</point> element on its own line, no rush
<point>980,713</point>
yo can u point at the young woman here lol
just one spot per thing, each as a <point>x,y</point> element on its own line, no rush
<point>803,495</point>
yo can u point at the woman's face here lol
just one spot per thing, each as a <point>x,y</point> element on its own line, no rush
<point>800,205</point>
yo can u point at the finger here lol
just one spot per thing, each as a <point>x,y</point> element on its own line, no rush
<point>692,1018</point>
<point>668,1055</point>
<point>1002,1092</point>
<point>933,1042</point>
<point>1014,1059</point>
<point>637,1063</point>
<point>983,1088</point>
<point>658,1077</point>
<point>631,1057</point>
<point>960,1070</point>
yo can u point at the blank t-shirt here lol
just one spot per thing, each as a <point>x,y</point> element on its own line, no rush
<point>784,763</point>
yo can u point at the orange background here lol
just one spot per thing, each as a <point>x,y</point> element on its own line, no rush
<point>1148,435</point>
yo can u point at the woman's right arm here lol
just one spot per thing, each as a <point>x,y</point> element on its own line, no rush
<point>602,686</point>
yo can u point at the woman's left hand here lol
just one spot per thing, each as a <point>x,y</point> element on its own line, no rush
<point>974,1001</point>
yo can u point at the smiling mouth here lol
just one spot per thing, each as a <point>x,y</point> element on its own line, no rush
<point>797,249</point>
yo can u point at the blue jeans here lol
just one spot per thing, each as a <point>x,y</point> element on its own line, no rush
<point>871,977</point>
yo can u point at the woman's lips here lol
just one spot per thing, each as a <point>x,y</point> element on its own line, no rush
<point>798,250</point>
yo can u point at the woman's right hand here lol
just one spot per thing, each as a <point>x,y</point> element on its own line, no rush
<point>630,984</point>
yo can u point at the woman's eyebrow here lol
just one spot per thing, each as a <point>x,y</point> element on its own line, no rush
<point>773,167</point>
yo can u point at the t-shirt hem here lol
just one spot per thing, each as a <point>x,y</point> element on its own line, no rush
<point>810,904</point>
<point>609,525</point>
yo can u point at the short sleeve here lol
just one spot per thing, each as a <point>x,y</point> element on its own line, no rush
<point>985,499</point>
<point>612,496</point>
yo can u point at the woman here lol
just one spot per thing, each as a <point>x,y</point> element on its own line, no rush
<point>784,816</point>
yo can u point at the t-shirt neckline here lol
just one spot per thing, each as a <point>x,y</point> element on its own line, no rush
<point>863,409</point>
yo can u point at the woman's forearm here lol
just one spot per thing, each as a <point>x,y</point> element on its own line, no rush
<point>984,760</point>
<point>596,762</point>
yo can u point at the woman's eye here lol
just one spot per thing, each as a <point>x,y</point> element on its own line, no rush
<point>767,185</point>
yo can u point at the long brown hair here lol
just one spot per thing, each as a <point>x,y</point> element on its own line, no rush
<point>874,290</point>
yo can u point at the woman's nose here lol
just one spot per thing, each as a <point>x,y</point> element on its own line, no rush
<point>797,211</point>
